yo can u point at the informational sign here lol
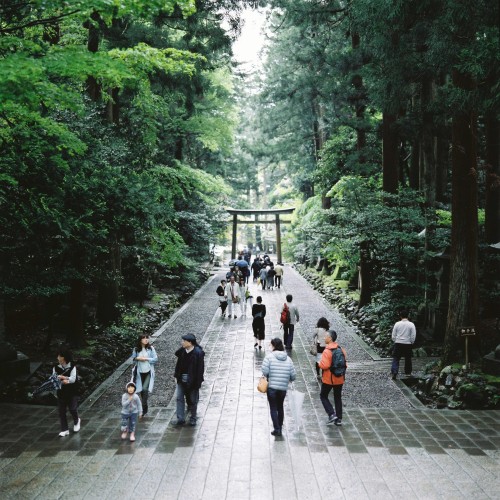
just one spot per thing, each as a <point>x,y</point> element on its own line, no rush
<point>466,331</point>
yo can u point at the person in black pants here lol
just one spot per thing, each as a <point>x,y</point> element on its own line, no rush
<point>67,395</point>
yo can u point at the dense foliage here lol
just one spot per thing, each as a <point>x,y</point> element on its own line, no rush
<point>113,121</point>
<point>385,116</point>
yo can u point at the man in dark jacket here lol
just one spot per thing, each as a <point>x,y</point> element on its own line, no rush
<point>189,375</point>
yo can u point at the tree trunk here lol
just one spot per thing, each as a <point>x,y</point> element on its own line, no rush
<point>390,155</point>
<point>365,274</point>
<point>75,335</point>
<point>492,207</point>
<point>93,87</point>
<point>108,292</point>
<point>463,306</point>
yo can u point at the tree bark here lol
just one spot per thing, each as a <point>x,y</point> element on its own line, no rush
<point>109,291</point>
<point>390,155</point>
<point>463,305</point>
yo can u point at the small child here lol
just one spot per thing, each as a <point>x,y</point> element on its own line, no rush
<point>131,408</point>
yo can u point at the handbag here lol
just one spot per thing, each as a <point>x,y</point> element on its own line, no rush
<point>314,347</point>
<point>262,385</point>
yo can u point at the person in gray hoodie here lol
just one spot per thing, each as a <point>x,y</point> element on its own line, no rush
<point>278,368</point>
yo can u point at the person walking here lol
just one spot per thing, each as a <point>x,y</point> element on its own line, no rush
<point>67,394</point>
<point>131,409</point>
<point>233,297</point>
<point>330,380</point>
<point>189,371</point>
<point>289,324</point>
<point>256,268</point>
<point>144,358</point>
<point>221,292</point>
<point>278,269</point>
<point>242,296</point>
<point>403,336</point>
<point>279,369</point>
<point>271,273</point>
<point>263,277</point>
<point>322,327</point>
<point>258,324</point>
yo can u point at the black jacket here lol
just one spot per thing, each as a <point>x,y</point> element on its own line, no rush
<point>196,367</point>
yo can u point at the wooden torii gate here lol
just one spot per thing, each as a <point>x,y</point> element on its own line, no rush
<point>264,211</point>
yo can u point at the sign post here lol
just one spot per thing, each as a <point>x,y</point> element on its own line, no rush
<point>466,331</point>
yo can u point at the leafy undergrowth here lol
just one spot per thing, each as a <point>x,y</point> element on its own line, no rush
<point>105,350</point>
<point>456,388</point>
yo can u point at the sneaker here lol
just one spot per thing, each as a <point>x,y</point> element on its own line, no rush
<point>255,345</point>
<point>260,347</point>
<point>338,422</point>
<point>124,435</point>
<point>63,433</point>
<point>132,436</point>
<point>179,423</point>
<point>393,376</point>
<point>192,422</point>
<point>276,433</point>
<point>76,428</point>
<point>331,419</point>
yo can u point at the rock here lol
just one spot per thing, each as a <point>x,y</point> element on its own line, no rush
<point>449,380</point>
<point>497,352</point>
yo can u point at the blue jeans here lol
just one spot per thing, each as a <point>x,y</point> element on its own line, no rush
<point>187,396</point>
<point>276,397</point>
<point>288,334</point>
<point>337,399</point>
<point>129,421</point>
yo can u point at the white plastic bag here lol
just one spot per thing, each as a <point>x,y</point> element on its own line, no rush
<point>296,400</point>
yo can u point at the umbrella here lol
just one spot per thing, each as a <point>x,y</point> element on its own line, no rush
<point>242,263</point>
<point>296,400</point>
<point>52,384</point>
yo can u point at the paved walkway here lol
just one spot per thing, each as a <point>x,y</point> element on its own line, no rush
<point>389,446</point>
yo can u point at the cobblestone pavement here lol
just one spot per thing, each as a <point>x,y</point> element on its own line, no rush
<point>388,447</point>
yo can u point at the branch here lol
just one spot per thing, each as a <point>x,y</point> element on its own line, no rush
<point>38,22</point>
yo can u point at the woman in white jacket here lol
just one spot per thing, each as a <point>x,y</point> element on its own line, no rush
<point>279,370</point>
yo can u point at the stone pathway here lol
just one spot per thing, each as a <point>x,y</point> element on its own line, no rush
<point>389,446</point>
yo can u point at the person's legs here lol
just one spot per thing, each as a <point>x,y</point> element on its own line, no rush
<point>289,342</point>
<point>396,356</point>
<point>192,398</point>
<point>132,422</point>
<point>280,398</point>
<point>285,334</point>
<point>273,407</point>
<point>145,379</point>
<point>181,404</point>
<point>62,405</point>
<point>337,399</point>
<point>323,395</point>
<point>408,355</point>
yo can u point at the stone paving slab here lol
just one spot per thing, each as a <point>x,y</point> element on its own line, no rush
<point>389,446</point>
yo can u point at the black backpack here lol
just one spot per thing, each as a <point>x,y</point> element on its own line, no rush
<point>338,365</point>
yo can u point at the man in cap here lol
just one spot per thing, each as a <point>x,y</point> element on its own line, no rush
<point>189,375</point>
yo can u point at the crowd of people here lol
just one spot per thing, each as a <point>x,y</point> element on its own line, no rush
<point>277,366</point>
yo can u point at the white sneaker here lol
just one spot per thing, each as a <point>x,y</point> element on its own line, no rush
<point>76,428</point>
<point>63,433</point>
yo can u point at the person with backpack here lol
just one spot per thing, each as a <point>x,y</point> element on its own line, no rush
<point>67,394</point>
<point>289,318</point>
<point>334,364</point>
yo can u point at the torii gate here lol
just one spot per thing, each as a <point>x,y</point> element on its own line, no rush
<point>264,211</point>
